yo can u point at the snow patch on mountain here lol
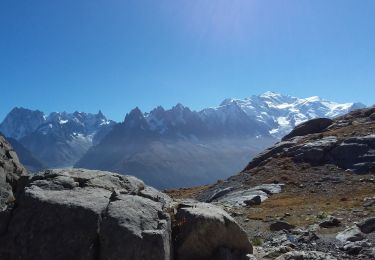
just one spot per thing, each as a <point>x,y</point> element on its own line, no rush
<point>281,113</point>
<point>267,115</point>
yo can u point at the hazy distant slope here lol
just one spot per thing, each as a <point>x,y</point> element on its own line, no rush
<point>25,156</point>
<point>171,162</point>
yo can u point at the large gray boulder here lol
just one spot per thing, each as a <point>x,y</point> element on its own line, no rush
<point>96,215</point>
<point>204,231</point>
<point>140,225</point>
<point>84,214</point>
<point>55,224</point>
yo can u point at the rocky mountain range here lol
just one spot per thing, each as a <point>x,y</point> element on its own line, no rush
<point>281,113</point>
<point>57,139</point>
<point>167,148</point>
<point>179,147</point>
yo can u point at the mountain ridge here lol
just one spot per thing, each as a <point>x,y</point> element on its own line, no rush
<point>167,140</point>
<point>56,139</point>
<point>180,147</point>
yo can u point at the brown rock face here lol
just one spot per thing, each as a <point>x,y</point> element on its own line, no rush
<point>347,142</point>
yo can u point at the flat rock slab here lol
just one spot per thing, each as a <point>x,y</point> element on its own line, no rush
<point>240,197</point>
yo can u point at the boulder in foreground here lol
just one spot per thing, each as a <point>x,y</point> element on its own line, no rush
<point>205,231</point>
<point>87,214</point>
<point>82,214</point>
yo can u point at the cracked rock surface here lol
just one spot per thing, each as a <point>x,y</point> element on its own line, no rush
<point>85,214</point>
<point>96,215</point>
<point>11,171</point>
<point>207,232</point>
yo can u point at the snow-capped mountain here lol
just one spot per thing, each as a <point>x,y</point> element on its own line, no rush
<point>167,147</point>
<point>57,139</point>
<point>180,147</point>
<point>281,113</point>
<point>266,114</point>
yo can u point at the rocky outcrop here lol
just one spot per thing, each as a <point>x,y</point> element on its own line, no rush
<point>344,142</point>
<point>10,173</point>
<point>205,232</point>
<point>313,126</point>
<point>356,154</point>
<point>86,214</point>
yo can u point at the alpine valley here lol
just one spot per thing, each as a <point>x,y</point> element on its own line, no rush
<point>165,148</point>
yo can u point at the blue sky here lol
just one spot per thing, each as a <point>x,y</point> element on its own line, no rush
<point>114,55</point>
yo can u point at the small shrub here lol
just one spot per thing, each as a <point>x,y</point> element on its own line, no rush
<point>257,241</point>
<point>322,215</point>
